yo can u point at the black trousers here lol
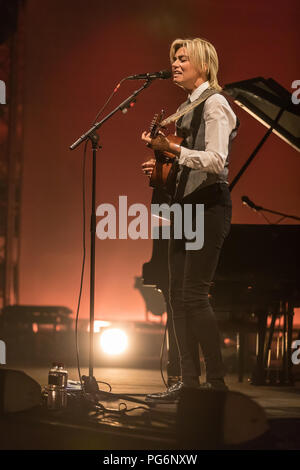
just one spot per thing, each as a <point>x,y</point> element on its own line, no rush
<point>191,273</point>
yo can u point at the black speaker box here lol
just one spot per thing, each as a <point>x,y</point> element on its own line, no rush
<point>208,419</point>
<point>18,391</point>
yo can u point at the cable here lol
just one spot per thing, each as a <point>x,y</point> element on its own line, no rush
<point>105,383</point>
<point>132,394</point>
<point>128,397</point>
<point>84,238</point>
<point>109,99</point>
<point>273,223</point>
<point>121,413</point>
<point>82,269</point>
<point>83,262</point>
<point>265,217</point>
<point>128,410</point>
<point>98,406</point>
<point>280,219</point>
<point>161,356</point>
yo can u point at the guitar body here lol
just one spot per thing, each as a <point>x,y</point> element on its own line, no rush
<point>166,166</point>
<point>165,170</point>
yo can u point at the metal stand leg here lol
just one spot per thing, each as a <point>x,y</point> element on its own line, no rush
<point>258,377</point>
<point>241,355</point>
<point>290,314</point>
<point>267,357</point>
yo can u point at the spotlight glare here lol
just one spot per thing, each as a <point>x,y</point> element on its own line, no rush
<point>114,341</point>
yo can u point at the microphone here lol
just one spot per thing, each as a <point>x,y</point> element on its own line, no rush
<point>250,204</point>
<point>163,74</point>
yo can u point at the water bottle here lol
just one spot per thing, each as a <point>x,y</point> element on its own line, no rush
<point>52,374</point>
<point>63,375</point>
<point>57,383</point>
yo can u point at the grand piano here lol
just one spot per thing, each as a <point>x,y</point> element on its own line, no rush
<point>256,286</point>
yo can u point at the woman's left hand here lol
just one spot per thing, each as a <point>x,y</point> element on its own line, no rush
<point>159,143</point>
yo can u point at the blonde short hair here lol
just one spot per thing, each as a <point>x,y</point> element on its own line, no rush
<point>202,55</point>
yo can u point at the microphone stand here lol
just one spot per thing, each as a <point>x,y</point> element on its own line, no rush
<point>90,383</point>
<point>284,216</point>
<point>260,208</point>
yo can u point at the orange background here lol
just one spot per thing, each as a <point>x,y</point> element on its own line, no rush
<point>76,52</point>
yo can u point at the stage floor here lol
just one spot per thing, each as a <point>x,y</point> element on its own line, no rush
<point>281,405</point>
<point>277,401</point>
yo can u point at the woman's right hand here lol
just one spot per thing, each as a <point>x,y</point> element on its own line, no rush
<point>147,167</point>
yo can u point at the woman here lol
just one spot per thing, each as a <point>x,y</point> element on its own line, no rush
<point>207,130</point>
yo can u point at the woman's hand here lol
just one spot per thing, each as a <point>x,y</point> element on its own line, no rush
<point>148,166</point>
<point>146,138</point>
<point>159,143</point>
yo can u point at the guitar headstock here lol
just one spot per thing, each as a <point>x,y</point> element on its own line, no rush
<point>155,124</point>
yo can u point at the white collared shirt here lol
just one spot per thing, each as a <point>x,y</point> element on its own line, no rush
<point>220,120</point>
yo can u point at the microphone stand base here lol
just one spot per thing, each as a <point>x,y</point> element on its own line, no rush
<point>90,384</point>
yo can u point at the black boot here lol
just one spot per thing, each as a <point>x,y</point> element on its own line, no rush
<point>171,395</point>
<point>214,384</point>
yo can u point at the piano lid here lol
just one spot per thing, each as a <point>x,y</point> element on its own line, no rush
<point>269,103</point>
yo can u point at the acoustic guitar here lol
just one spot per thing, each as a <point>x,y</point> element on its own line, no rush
<point>166,166</point>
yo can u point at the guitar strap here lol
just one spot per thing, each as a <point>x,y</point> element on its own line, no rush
<point>206,94</point>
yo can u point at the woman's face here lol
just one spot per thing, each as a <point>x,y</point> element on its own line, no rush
<point>184,72</point>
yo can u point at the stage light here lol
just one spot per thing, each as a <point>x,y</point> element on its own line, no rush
<point>114,341</point>
<point>98,324</point>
